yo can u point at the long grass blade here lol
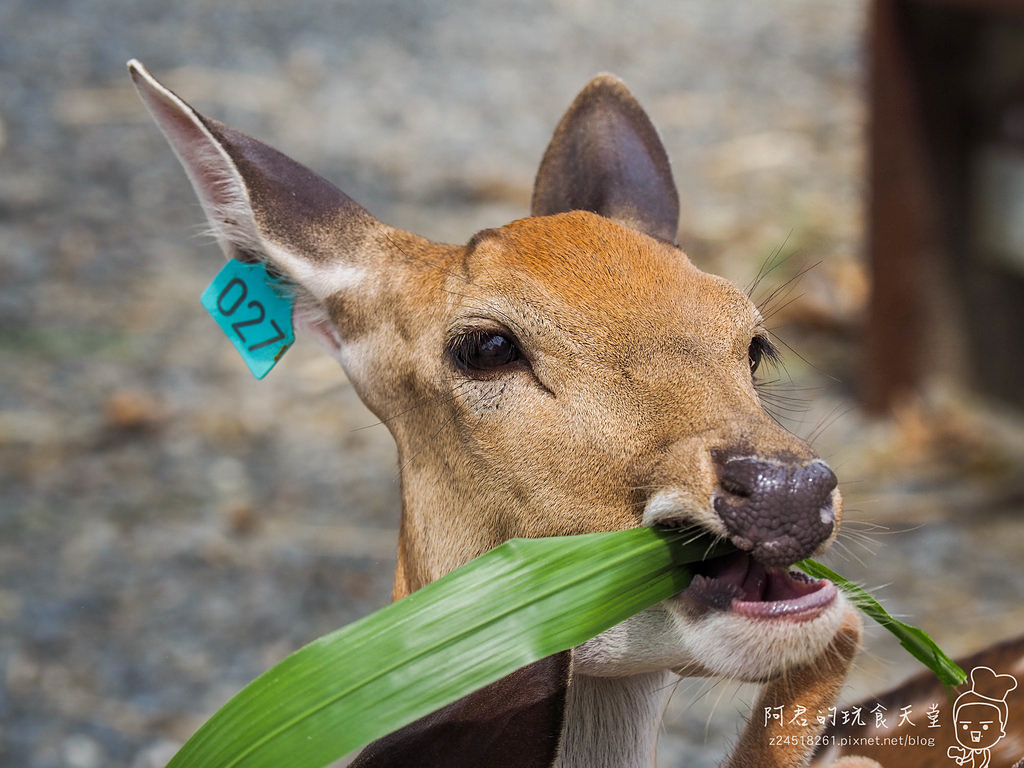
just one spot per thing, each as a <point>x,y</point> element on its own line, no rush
<point>518,603</point>
<point>920,646</point>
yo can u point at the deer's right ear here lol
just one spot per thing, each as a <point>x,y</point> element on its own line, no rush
<point>264,206</point>
<point>606,157</point>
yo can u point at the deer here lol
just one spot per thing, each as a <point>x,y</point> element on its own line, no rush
<point>569,372</point>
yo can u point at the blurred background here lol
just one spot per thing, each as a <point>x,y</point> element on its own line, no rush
<point>170,527</point>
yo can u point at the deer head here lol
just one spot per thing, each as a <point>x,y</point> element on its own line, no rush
<point>568,372</point>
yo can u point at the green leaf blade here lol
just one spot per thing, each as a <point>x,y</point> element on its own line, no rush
<point>514,605</point>
<point>521,602</point>
<point>914,640</point>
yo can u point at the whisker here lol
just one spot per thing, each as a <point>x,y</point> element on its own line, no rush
<point>714,709</point>
<point>388,419</point>
<point>834,415</point>
<point>767,266</point>
<point>804,359</point>
<point>782,292</point>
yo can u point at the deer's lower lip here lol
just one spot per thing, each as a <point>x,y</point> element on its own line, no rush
<point>739,584</point>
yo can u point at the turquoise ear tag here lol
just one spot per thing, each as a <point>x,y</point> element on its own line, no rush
<point>255,312</point>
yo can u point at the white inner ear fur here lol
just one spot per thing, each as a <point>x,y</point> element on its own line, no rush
<point>318,282</point>
<point>226,203</point>
<point>218,185</point>
<point>321,280</point>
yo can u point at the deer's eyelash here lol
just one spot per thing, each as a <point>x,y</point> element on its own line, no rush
<point>762,349</point>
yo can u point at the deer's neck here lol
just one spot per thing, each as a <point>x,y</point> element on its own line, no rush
<point>612,722</point>
<point>441,526</point>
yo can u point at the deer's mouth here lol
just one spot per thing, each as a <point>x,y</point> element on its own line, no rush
<point>740,584</point>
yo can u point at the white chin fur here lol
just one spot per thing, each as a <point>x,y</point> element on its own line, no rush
<point>715,643</point>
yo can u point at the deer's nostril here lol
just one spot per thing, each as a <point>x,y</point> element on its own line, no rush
<point>780,511</point>
<point>734,486</point>
<point>746,476</point>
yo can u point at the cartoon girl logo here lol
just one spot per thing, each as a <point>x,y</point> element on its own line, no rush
<point>980,718</point>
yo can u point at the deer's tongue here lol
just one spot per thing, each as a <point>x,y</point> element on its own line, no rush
<point>740,584</point>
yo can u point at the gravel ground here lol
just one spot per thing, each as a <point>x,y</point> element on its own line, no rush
<point>169,527</point>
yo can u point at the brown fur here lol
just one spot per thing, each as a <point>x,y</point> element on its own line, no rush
<point>513,723</point>
<point>815,686</point>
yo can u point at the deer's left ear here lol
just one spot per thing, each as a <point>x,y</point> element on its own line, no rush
<point>265,207</point>
<point>513,723</point>
<point>606,157</point>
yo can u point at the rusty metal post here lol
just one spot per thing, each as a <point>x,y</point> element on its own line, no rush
<point>899,213</point>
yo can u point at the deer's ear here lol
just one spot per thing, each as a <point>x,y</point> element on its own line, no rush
<point>513,723</point>
<point>606,157</point>
<point>264,206</point>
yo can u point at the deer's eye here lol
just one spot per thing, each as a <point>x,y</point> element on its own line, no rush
<point>761,349</point>
<point>484,350</point>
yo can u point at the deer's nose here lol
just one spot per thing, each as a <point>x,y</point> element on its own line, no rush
<point>778,511</point>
